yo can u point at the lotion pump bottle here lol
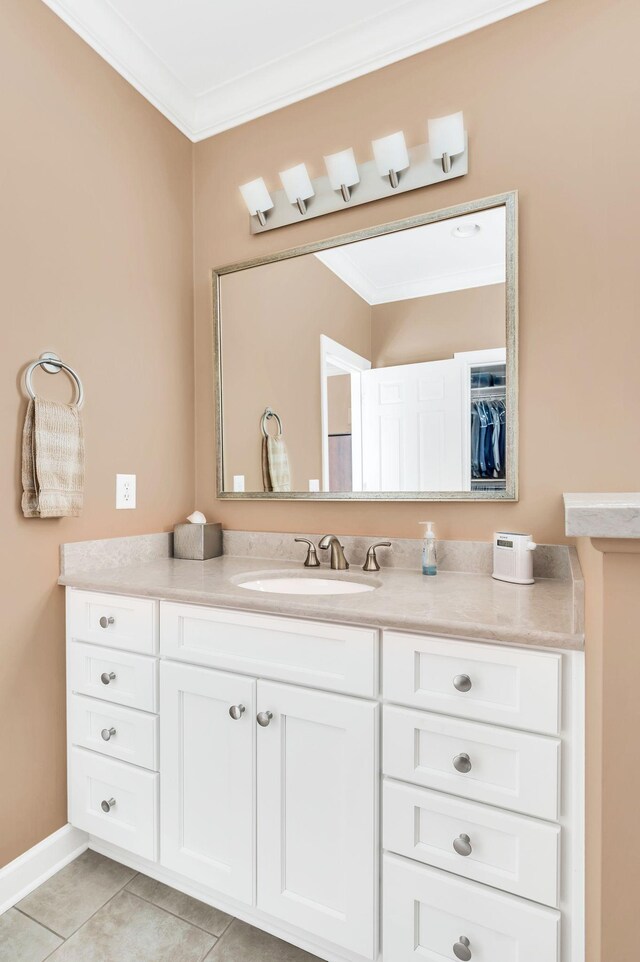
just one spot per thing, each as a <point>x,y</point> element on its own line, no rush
<point>429,559</point>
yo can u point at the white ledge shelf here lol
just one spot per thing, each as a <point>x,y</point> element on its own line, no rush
<point>597,515</point>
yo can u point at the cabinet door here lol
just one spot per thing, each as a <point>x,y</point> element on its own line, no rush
<point>207,777</point>
<point>317,806</point>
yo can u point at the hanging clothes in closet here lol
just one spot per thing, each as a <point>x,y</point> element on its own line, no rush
<point>488,438</point>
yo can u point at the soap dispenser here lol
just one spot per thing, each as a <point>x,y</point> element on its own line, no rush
<point>429,558</point>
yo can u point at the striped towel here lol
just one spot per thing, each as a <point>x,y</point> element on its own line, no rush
<point>275,464</point>
<point>52,460</point>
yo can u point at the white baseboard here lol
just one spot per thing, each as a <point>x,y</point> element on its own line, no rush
<point>39,863</point>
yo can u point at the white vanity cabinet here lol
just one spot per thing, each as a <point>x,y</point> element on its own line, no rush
<point>371,796</point>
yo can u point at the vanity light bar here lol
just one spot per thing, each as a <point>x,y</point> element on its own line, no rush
<point>394,170</point>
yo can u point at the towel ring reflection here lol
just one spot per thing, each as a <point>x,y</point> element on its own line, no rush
<point>52,365</point>
<point>268,414</point>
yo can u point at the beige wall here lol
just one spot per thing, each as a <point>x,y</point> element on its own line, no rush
<point>544,94</point>
<point>273,317</point>
<point>436,327</point>
<point>95,263</point>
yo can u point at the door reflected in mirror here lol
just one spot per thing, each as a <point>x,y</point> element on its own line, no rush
<point>381,366</point>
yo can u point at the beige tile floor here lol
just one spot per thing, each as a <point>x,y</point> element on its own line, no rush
<point>96,910</point>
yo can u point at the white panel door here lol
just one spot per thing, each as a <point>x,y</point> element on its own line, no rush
<point>207,784</point>
<point>414,428</point>
<point>317,809</point>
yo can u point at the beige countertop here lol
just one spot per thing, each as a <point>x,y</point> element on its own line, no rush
<point>594,515</point>
<point>453,603</point>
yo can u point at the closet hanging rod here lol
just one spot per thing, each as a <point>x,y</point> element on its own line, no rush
<point>488,393</point>
<point>52,364</point>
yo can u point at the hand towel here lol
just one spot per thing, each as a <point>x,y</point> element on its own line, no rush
<point>52,460</point>
<point>275,464</point>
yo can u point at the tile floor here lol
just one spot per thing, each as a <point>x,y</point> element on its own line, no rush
<point>96,910</point>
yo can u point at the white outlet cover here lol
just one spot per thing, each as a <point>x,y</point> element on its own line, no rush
<point>125,491</point>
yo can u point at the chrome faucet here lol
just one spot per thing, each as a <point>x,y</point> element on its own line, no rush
<point>338,560</point>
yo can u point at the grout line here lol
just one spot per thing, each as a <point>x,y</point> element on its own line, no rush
<point>115,894</point>
<point>181,917</point>
<point>87,920</point>
<point>41,924</point>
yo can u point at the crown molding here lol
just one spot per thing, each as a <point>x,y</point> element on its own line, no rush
<point>98,24</point>
<point>415,26</point>
<point>340,263</point>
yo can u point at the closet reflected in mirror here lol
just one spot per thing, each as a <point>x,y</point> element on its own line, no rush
<point>379,365</point>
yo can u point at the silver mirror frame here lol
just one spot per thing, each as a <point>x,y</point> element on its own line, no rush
<point>507,200</point>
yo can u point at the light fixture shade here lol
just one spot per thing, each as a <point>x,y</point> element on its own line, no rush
<point>446,135</point>
<point>390,153</point>
<point>296,183</point>
<point>256,196</point>
<point>342,169</point>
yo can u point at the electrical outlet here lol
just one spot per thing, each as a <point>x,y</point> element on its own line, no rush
<point>125,490</point>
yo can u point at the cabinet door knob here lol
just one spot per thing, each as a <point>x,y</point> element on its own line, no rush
<point>461,949</point>
<point>462,845</point>
<point>264,717</point>
<point>107,804</point>
<point>462,763</point>
<point>105,622</point>
<point>237,711</point>
<point>107,676</point>
<point>107,733</point>
<point>462,683</point>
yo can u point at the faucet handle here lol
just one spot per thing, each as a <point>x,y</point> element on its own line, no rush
<point>371,564</point>
<point>311,561</point>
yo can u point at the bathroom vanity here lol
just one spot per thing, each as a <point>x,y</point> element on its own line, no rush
<point>356,774</point>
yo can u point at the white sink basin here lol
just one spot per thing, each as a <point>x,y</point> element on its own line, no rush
<point>302,585</point>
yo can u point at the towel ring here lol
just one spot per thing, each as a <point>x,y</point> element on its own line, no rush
<point>268,414</point>
<point>52,365</point>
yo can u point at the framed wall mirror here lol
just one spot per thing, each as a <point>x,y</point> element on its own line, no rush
<point>379,365</point>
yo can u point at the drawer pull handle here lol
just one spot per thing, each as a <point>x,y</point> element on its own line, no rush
<point>462,763</point>
<point>107,804</point>
<point>105,622</point>
<point>237,711</point>
<point>462,683</point>
<point>462,845</point>
<point>264,718</point>
<point>107,733</point>
<point>461,949</point>
<point>107,676</point>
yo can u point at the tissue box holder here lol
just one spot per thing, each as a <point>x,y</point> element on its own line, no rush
<point>197,542</point>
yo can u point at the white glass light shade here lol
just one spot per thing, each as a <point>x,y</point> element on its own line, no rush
<point>342,169</point>
<point>390,153</point>
<point>256,196</point>
<point>296,183</point>
<point>446,135</point>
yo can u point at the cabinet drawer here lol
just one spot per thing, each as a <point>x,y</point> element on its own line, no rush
<point>508,686</point>
<point>134,685</point>
<point>335,657</point>
<point>102,619</point>
<point>506,768</point>
<point>123,733</point>
<point>427,912</point>
<point>132,820</point>
<point>510,852</point>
